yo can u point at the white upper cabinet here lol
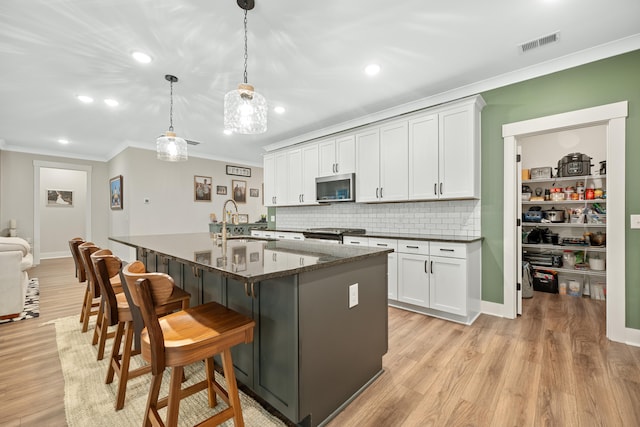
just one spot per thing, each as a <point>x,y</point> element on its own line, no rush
<point>381,163</point>
<point>337,156</point>
<point>423,157</point>
<point>368,166</point>
<point>275,179</point>
<point>294,172</point>
<point>309,174</point>
<point>394,158</point>
<point>459,155</point>
<point>444,152</point>
<point>429,155</point>
<point>299,172</point>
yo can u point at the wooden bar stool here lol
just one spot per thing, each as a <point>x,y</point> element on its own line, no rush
<point>90,304</point>
<point>80,271</point>
<point>185,337</point>
<point>117,311</point>
<point>100,333</point>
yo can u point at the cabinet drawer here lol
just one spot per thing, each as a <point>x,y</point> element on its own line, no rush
<point>383,243</point>
<point>356,241</point>
<point>413,247</point>
<point>451,250</point>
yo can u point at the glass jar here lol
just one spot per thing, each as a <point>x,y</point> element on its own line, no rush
<point>568,259</point>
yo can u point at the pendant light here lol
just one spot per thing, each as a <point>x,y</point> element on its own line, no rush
<point>245,110</point>
<point>170,147</point>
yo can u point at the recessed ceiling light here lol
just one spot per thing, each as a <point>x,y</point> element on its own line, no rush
<point>63,141</point>
<point>372,69</point>
<point>141,57</point>
<point>111,102</point>
<point>84,98</point>
<point>279,109</point>
<point>228,131</point>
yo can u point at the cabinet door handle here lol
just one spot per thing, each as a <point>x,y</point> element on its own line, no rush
<point>435,188</point>
<point>382,244</point>
<point>425,266</point>
<point>302,197</point>
<point>376,192</point>
<point>246,289</point>
<point>431,267</point>
<point>381,192</point>
<point>412,247</point>
<point>337,167</point>
<point>440,188</point>
<point>447,250</point>
<point>355,243</point>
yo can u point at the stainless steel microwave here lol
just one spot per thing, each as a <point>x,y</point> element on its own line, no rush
<point>336,188</point>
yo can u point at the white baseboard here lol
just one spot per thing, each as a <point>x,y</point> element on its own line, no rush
<point>51,255</point>
<point>492,308</point>
<point>632,337</point>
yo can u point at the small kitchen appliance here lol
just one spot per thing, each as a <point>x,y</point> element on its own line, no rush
<point>574,164</point>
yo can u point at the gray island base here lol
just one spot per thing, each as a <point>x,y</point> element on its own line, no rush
<point>312,353</point>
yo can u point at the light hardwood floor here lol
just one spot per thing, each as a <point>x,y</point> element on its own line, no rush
<point>552,366</point>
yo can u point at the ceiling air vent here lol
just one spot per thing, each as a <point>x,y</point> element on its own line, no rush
<point>190,142</point>
<point>544,40</point>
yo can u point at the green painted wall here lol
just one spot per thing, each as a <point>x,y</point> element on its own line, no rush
<point>610,80</point>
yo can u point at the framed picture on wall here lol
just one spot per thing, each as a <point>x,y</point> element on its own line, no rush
<point>59,198</point>
<point>243,218</point>
<point>239,191</point>
<point>202,188</point>
<point>116,192</point>
<point>238,171</point>
<point>254,192</point>
<point>221,189</point>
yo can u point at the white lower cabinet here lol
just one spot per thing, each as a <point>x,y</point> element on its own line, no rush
<point>441,279</point>
<point>413,279</point>
<point>448,285</point>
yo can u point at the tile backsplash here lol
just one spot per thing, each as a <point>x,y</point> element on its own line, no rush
<point>456,217</point>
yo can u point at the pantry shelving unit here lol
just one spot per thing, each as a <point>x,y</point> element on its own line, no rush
<point>567,228</point>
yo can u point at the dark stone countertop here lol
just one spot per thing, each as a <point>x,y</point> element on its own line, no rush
<point>249,259</point>
<point>414,236</point>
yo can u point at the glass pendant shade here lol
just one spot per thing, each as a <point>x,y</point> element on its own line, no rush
<point>245,111</point>
<point>171,148</point>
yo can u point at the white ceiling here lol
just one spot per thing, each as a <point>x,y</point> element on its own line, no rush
<point>306,56</point>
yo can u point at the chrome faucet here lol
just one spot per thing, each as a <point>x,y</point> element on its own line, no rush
<point>224,219</point>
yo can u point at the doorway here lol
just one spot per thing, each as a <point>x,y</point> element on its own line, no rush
<point>612,116</point>
<point>62,207</point>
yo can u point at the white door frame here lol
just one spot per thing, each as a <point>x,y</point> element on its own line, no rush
<point>37,165</point>
<point>614,117</point>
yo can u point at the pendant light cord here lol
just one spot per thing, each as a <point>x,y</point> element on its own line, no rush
<point>246,55</point>
<point>171,107</point>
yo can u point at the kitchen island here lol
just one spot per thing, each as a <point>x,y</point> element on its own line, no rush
<point>320,312</point>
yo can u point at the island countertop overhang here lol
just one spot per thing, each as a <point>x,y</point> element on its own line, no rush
<point>249,259</point>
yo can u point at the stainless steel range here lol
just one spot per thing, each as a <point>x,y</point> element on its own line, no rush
<point>330,234</point>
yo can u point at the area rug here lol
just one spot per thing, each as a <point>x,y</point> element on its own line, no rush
<point>89,401</point>
<point>31,303</point>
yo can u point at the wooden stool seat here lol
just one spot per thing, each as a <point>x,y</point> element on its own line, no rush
<point>185,337</point>
<point>198,332</point>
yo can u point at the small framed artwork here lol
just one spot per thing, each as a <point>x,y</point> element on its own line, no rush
<point>59,198</point>
<point>243,218</point>
<point>202,257</point>
<point>254,192</point>
<point>239,189</point>
<point>254,257</point>
<point>238,171</point>
<point>221,189</point>
<point>116,192</point>
<point>220,262</point>
<point>202,188</point>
